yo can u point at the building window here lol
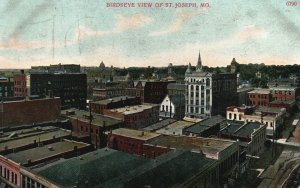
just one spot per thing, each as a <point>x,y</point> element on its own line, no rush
<point>230,115</point>
<point>234,116</point>
<point>167,108</point>
<point>163,107</point>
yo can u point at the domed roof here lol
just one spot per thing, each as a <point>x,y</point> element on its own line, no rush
<point>102,65</point>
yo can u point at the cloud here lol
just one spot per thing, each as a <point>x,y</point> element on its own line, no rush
<point>251,32</point>
<point>123,24</point>
<point>181,19</point>
<point>17,44</point>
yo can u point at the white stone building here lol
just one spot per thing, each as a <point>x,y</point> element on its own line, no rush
<point>198,92</point>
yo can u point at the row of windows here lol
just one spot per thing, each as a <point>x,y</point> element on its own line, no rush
<point>234,116</point>
<point>30,183</point>
<point>193,80</point>
<point>258,96</point>
<point>281,92</point>
<point>260,103</point>
<point>6,88</point>
<point>10,176</point>
<point>167,108</point>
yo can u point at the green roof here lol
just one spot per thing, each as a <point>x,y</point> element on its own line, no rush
<point>95,167</point>
<point>169,170</point>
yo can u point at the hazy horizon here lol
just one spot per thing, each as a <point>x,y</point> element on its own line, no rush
<point>40,33</point>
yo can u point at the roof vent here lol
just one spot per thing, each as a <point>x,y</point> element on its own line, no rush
<point>50,148</point>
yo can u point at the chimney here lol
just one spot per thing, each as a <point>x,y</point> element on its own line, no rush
<point>142,133</point>
<point>75,148</point>
<point>28,161</point>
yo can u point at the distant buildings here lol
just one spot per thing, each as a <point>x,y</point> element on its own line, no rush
<point>71,88</point>
<point>176,89</point>
<point>208,94</point>
<point>149,91</point>
<point>6,87</point>
<point>282,97</point>
<point>59,68</point>
<point>20,85</point>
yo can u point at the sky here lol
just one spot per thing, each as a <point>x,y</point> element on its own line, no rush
<point>86,32</point>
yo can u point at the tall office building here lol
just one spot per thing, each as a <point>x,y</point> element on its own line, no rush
<point>207,93</point>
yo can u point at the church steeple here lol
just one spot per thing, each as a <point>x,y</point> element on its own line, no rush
<point>199,64</point>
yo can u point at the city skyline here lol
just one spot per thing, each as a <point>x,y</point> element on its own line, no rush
<point>40,32</point>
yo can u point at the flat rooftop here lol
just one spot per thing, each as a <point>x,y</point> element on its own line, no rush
<point>114,99</point>
<point>98,119</point>
<point>176,126</point>
<point>172,169</point>
<point>198,144</point>
<point>96,167</point>
<point>241,130</point>
<point>159,125</point>
<point>42,136</point>
<point>270,109</point>
<point>132,109</point>
<point>136,134</point>
<point>25,132</point>
<point>284,101</point>
<point>45,151</point>
<point>260,91</point>
<point>214,120</point>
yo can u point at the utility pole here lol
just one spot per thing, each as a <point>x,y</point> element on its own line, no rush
<point>2,113</point>
<point>90,122</point>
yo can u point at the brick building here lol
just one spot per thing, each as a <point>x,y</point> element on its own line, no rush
<point>137,116</point>
<point>129,140</point>
<point>284,93</point>
<point>71,88</point>
<point>91,129</point>
<point>11,164</point>
<point>58,68</point>
<point>259,97</point>
<point>176,89</point>
<point>20,85</point>
<point>6,87</point>
<point>116,102</point>
<point>22,112</point>
<point>149,91</point>
<point>108,92</point>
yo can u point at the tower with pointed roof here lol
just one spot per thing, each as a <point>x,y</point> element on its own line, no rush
<point>199,64</point>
